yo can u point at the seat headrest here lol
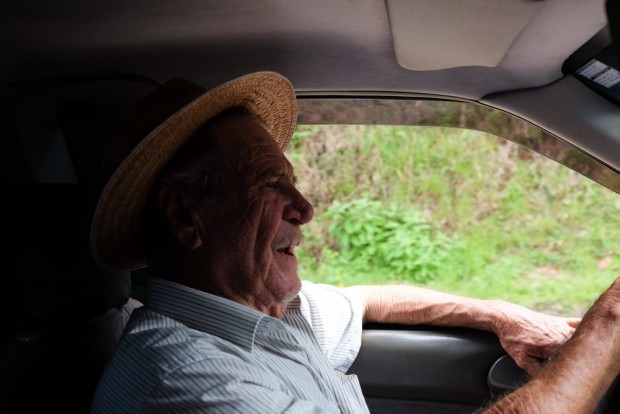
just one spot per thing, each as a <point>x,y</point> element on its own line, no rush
<point>52,279</point>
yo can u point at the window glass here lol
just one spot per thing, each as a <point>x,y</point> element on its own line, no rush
<point>454,209</point>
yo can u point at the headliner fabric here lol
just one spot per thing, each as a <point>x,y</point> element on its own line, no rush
<point>320,45</point>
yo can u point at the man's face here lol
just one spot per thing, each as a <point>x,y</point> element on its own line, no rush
<point>251,230</point>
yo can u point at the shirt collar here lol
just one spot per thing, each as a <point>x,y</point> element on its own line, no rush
<point>205,312</point>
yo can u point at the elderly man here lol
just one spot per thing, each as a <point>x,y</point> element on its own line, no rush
<point>200,190</point>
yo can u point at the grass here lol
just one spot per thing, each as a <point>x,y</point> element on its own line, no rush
<point>511,225</point>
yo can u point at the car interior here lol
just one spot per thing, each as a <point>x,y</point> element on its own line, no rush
<point>71,70</point>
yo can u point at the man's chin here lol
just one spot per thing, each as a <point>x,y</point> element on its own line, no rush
<point>297,285</point>
<point>287,263</point>
<point>290,284</point>
<point>289,287</point>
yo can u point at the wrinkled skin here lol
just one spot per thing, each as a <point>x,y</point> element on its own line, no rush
<point>531,338</point>
<point>242,243</point>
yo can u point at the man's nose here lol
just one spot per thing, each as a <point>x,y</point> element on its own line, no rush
<point>299,210</point>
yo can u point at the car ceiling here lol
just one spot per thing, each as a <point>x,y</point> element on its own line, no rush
<point>477,47</point>
<point>486,51</point>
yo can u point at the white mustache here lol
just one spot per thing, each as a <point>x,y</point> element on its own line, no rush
<point>288,240</point>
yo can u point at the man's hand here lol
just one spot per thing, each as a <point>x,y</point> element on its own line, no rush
<point>580,374</point>
<point>531,338</point>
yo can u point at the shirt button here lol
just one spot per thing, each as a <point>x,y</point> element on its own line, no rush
<point>271,326</point>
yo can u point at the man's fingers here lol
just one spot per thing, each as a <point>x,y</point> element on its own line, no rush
<point>532,364</point>
<point>573,322</point>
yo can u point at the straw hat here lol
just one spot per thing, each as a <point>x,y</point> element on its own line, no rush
<point>153,132</point>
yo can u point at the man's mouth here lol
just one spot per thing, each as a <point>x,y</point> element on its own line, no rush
<point>289,250</point>
<point>286,245</point>
<point>284,252</point>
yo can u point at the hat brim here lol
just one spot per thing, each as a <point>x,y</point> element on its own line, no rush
<point>116,227</point>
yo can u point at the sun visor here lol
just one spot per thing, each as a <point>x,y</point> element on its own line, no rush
<point>469,33</point>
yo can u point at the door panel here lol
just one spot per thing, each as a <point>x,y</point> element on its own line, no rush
<point>432,370</point>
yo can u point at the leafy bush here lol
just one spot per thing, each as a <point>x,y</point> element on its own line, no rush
<point>371,237</point>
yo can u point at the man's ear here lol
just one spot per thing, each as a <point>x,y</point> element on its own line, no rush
<point>181,217</point>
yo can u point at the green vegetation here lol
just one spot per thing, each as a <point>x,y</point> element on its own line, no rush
<point>455,210</point>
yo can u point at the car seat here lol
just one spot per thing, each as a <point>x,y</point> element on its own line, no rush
<point>62,314</point>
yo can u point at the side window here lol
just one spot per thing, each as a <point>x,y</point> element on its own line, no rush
<point>454,209</point>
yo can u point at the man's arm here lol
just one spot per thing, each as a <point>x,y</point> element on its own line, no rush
<point>576,378</point>
<point>529,337</point>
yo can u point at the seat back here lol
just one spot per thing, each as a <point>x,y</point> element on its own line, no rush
<point>61,313</point>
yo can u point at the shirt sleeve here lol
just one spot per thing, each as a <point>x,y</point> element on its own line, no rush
<point>335,316</point>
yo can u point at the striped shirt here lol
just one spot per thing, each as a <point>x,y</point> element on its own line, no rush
<point>192,352</point>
